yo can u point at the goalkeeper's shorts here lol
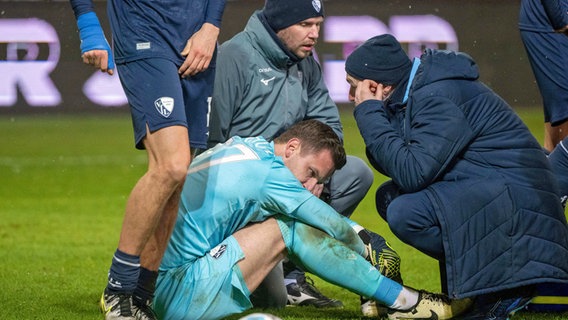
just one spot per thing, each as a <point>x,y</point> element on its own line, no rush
<point>210,287</point>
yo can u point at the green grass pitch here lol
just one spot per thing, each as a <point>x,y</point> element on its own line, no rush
<point>64,184</point>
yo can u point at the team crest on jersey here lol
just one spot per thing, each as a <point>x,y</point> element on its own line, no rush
<point>317,5</point>
<point>164,105</point>
<point>218,251</point>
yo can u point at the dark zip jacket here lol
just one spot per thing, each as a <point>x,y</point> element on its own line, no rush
<point>261,91</point>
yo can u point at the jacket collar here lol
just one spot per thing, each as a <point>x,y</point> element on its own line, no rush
<point>396,100</point>
<point>274,50</point>
<point>402,91</point>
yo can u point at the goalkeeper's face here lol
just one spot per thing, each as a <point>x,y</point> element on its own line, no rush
<point>308,167</point>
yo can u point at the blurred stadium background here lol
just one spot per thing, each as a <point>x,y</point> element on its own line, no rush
<point>41,70</point>
<point>67,161</point>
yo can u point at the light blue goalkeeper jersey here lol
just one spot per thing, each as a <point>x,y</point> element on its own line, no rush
<point>236,183</point>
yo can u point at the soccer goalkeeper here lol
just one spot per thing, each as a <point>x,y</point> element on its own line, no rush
<point>244,208</point>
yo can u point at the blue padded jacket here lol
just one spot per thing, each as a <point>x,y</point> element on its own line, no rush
<point>466,150</point>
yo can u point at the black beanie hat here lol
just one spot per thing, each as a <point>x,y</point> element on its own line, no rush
<point>281,14</point>
<point>381,59</point>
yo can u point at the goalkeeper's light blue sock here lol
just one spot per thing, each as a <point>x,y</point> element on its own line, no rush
<point>334,262</point>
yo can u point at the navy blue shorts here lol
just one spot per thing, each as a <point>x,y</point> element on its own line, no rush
<point>160,98</point>
<point>549,61</point>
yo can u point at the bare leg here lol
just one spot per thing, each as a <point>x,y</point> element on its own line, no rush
<point>264,247</point>
<point>156,246</point>
<point>153,252</point>
<point>155,193</point>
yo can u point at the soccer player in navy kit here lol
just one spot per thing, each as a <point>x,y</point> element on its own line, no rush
<point>165,53</point>
<point>544,31</point>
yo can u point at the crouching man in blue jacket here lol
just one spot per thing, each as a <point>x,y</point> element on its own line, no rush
<point>470,185</point>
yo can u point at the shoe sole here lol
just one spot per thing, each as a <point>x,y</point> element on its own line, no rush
<point>102,306</point>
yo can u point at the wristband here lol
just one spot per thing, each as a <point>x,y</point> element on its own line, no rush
<point>92,36</point>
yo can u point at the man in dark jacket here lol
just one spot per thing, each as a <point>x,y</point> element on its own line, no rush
<point>470,185</point>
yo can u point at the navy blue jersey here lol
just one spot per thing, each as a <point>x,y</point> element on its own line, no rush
<point>158,29</point>
<point>81,6</point>
<point>543,16</point>
<point>154,29</point>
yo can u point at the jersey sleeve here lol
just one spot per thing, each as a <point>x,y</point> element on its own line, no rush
<point>285,195</point>
<point>557,12</point>
<point>215,10</point>
<point>81,6</point>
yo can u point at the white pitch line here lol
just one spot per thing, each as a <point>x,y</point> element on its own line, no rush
<point>18,162</point>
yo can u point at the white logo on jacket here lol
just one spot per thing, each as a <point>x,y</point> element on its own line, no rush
<point>164,105</point>
<point>266,81</point>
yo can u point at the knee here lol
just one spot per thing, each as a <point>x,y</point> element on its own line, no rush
<point>385,194</point>
<point>353,180</point>
<point>361,171</point>
<point>171,172</point>
<point>177,172</point>
<point>397,219</point>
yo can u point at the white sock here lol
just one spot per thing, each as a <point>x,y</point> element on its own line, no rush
<point>288,281</point>
<point>406,299</point>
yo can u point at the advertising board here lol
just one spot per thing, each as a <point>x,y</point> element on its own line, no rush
<point>41,68</point>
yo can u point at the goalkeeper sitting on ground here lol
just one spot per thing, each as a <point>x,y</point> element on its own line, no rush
<point>244,208</point>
